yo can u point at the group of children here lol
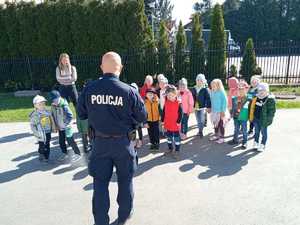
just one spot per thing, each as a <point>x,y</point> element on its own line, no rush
<point>43,122</point>
<point>169,109</point>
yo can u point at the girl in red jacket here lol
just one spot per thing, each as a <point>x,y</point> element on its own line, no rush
<point>171,120</point>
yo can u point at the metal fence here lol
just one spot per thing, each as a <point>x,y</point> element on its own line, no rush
<point>280,64</point>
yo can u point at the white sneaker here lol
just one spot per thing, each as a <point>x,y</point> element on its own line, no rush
<point>255,145</point>
<point>75,158</point>
<point>63,157</point>
<point>213,138</point>
<point>220,141</point>
<point>261,148</point>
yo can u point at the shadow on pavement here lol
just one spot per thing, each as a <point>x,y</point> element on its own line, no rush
<point>14,137</point>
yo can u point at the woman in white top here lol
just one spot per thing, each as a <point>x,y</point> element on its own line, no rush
<point>66,76</point>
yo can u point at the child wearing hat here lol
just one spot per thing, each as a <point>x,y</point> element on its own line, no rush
<point>240,114</point>
<point>254,82</point>
<point>187,102</point>
<point>62,116</point>
<point>262,112</point>
<point>41,124</point>
<point>202,103</point>
<point>171,120</point>
<point>153,117</point>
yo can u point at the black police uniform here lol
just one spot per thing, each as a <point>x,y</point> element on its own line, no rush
<point>112,108</point>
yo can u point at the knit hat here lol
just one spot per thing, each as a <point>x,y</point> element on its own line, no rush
<point>183,82</point>
<point>54,95</point>
<point>38,99</point>
<point>151,90</point>
<point>171,89</point>
<point>263,87</point>
<point>160,77</point>
<point>201,77</point>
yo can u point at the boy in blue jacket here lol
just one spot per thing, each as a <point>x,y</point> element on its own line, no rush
<point>62,116</point>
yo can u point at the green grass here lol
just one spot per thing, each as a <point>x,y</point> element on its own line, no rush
<point>285,90</point>
<point>17,109</point>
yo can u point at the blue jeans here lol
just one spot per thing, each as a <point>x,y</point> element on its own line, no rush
<point>174,137</point>
<point>201,118</point>
<point>184,123</point>
<point>258,130</point>
<point>237,126</point>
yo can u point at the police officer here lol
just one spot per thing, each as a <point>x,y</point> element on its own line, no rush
<point>112,108</point>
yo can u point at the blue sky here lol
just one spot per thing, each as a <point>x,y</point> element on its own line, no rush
<point>184,8</point>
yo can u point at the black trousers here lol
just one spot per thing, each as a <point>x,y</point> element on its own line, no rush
<point>71,142</point>
<point>140,133</point>
<point>44,148</point>
<point>69,92</point>
<point>153,132</point>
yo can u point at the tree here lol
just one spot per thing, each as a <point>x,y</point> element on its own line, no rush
<point>197,55</point>
<point>164,51</point>
<point>217,45</point>
<point>248,64</point>
<point>204,8</point>
<point>231,5</point>
<point>180,59</point>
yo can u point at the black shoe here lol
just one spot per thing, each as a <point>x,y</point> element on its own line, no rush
<point>201,134</point>
<point>152,147</point>
<point>232,142</point>
<point>244,146</point>
<point>250,132</point>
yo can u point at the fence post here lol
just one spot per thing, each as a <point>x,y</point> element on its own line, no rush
<point>288,67</point>
<point>29,71</point>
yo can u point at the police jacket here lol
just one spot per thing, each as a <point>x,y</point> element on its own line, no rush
<point>111,106</point>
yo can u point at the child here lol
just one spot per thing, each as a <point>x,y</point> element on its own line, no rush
<point>161,92</point>
<point>255,80</point>
<point>202,102</point>
<point>139,141</point>
<point>239,112</point>
<point>152,107</point>
<point>171,120</point>
<point>83,129</point>
<point>233,83</point>
<point>147,85</point>
<point>187,102</point>
<point>62,117</point>
<point>218,110</point>
<point>262,111</point>
<point>41,124</point>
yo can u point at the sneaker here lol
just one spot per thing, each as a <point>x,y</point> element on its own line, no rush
<point>244,146</point>
<point>250,132</point>
<point>220,141</point>
<point>183,136</point>
<point>200,134</point>
<point>139,144</point>
<point>45,160</point>
<point>255,145</point>
<point>213,138</point>
<point>261,148</point>
<point>63,157</point>
<point>232,142</point>
<point>75,158</point>
<point>152,147</point>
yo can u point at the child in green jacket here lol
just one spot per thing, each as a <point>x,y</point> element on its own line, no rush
<point>262,112</point>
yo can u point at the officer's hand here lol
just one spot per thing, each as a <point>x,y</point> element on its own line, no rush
<point>146,126</point>
<point>208,110</point>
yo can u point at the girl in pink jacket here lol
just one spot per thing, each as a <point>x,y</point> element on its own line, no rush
<point>233,83</point>
<point>187,101</point>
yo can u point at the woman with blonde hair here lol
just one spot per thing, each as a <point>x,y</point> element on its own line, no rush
<point>66,76</point>
<point>219,111</point>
